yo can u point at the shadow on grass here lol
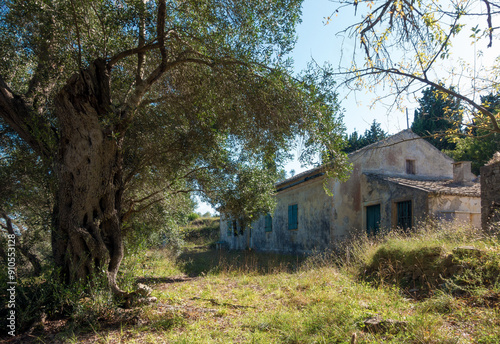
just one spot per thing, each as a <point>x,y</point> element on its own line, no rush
<point>166,280</point>
<point>196,262</point>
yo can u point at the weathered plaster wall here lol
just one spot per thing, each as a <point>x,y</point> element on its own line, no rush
<point>236,241</point>
<point>377,191</point>
<point>460,208</point>
<point>313,233</point>
<point>490,193</point>
<point>387,157</point>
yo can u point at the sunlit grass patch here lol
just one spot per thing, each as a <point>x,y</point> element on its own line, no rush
<point>208,296</point>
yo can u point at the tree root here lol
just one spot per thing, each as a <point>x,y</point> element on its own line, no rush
<point>139,297</point>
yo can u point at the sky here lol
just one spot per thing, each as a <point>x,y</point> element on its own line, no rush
<point>322,43</point>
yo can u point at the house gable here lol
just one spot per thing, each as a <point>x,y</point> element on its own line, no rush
<point>395,155</point>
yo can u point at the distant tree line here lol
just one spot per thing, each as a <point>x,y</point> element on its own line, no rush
<point>439,120</point>
<point>357,141</point>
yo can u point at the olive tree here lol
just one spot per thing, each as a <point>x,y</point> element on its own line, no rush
<point>130,101</point>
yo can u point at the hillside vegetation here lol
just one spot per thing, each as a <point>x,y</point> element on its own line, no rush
<point>201,231</point>
<point>438,284</point>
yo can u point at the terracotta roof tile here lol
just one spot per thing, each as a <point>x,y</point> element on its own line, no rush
<point>443,186</point>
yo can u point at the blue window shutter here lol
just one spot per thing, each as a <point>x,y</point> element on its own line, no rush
<point>268,223</point>
<point>373,219</point>
<point>293,216</point>
<point>296,216</point>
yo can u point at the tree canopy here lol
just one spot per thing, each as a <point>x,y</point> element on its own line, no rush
<point>357,141</point>
<point>130,103</point>
<point>438,113</point>
<point>480,145</point>
<point>404,45</point>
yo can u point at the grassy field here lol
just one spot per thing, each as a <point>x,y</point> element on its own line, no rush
<point>439,284</point>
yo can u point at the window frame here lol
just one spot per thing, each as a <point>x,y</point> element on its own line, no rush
<point>411,166</point>
<point>404,222</point>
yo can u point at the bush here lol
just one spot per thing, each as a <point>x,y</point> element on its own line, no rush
<point>202,231</point>
<point>143,236</point>
<point>193,216</point>
<point>40,297</point>
<point>427,259</point>
<point>46,297</point>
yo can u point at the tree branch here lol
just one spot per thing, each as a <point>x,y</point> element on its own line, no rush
<point>394,71</point>
<point>141,57</point>
<point>160,29</point>
<point>488,20</point>
<point>77,27</point>
<point>132,211</point>
<point>124,54</point>
<point>42,81</point>
<point>371,25</point>
<point>33,129</point>
<point>34,260</point>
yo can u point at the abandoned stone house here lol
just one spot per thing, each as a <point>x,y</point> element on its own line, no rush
<point>394,183</point>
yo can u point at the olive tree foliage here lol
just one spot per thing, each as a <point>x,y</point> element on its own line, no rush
<point>25,203</point>
<point>405,46</point>
<point>128,103</point>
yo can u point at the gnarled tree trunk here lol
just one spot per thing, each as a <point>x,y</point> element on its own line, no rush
<point>88,237</point>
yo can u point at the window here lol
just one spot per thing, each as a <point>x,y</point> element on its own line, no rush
<point>242,227</point>
<point>404,215</point>
<point>235,228</point>
<point>293,218</point>
<point>232,228</point>
<point>410,166</point>
<point>373,219</point>
<point>268,226</point>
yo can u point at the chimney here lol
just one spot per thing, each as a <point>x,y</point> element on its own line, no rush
<point>462,174</point>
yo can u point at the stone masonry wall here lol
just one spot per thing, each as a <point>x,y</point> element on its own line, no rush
<point>490,194</point>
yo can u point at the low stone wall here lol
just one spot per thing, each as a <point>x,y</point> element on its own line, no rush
<point>490,194</point>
